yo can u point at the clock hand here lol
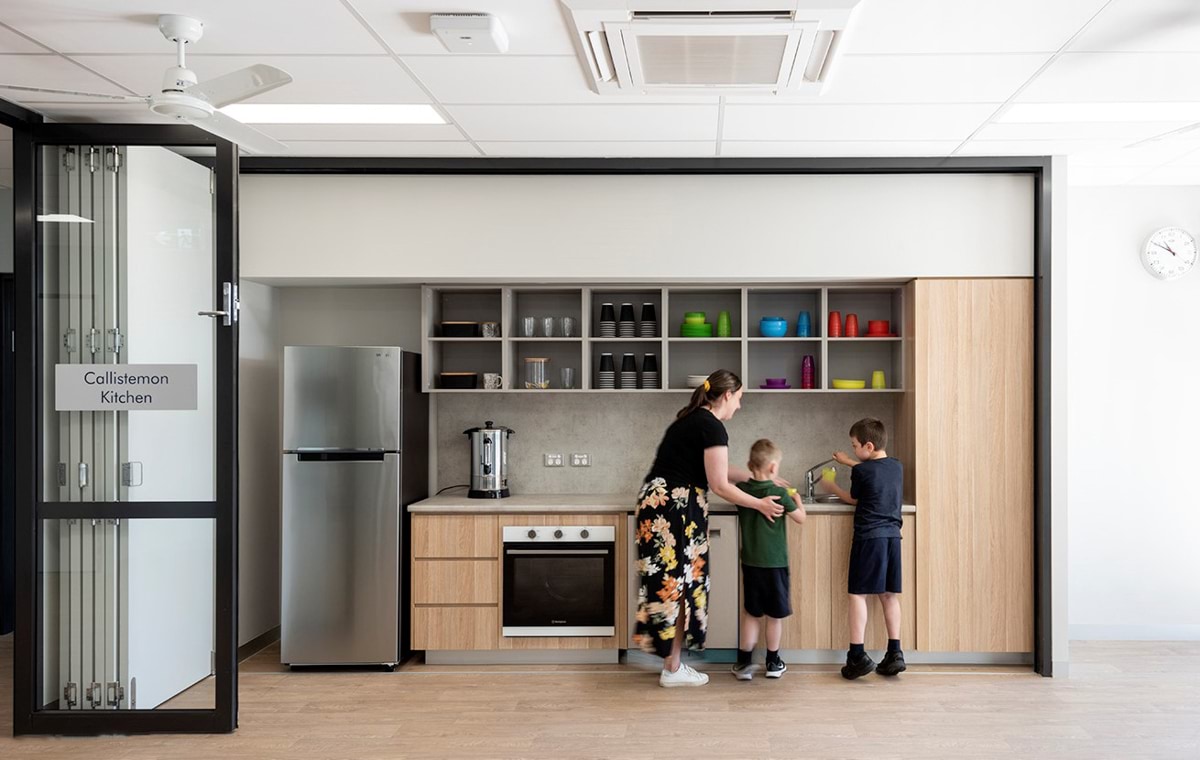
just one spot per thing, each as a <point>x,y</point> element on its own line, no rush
<point>1166,248</point>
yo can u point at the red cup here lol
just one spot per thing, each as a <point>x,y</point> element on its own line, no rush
<point>835,324</point>
<point>851,325</point>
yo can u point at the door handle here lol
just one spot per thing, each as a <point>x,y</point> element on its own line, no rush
<point>230,304</point>
<point>83,474</point>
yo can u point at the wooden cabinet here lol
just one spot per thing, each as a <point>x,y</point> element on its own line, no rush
<point>456,581</point>
<point>841,537</point>
<point>455,627</point>
<point>968,422</point>
<point>455,536</point>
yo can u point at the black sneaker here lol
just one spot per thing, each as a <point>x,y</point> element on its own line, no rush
<point>857,668</point>
<point>743,672</point>
<point>892,664</point>
<point>776,668</point>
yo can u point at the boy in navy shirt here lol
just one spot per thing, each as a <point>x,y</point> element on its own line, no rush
<point>876,487</point>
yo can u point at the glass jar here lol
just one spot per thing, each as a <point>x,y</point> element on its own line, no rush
<point>537,372</point>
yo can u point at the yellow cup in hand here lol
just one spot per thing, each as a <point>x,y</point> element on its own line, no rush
<point>829,474</point>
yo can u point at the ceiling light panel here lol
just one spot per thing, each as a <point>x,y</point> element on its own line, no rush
<point>333,113</point>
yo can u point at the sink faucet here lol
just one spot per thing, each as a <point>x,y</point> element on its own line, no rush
<point>810,482</point>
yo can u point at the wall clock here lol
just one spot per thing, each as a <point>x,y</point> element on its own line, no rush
<point>1169,253</point>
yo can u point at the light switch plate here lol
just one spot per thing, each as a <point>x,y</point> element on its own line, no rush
<point>581,460</point>
<point>554,460</point>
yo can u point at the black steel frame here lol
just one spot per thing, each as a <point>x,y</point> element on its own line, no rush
<point>29,135</point>
<point>1037,167</point>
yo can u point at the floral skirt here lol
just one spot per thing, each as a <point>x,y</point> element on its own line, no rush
<point>672,548</point>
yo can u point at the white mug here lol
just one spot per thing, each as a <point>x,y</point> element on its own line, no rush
<point>492,381</point>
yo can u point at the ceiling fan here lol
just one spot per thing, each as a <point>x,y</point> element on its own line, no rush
<point>184,98</point>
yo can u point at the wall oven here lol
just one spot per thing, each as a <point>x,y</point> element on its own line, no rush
<point>559,580</point>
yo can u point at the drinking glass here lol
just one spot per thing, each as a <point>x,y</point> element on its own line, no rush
<point>528,327</point>
<point>547,327</point>
<point>568,377</point>
<point>568,327</point>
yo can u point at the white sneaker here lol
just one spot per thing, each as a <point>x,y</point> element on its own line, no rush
<point>685,676</point>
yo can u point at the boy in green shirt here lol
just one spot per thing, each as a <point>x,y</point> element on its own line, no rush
<point>765,587</point>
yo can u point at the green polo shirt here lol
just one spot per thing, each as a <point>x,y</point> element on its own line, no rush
<point>764,543</point>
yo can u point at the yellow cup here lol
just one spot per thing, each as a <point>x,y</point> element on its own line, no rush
<point>829,474</point>
<point>877,379</point>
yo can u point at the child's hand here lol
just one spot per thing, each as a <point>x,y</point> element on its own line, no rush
<point>842,457</point>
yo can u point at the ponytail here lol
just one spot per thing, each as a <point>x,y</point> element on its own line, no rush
<point>708,392</point>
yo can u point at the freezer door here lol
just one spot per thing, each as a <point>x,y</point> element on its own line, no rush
<point>337,397</point>
<point>341,560</point>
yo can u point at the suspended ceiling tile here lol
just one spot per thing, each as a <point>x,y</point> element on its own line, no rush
<point>315,79</point>
<point>49,71</point>
<point>1190,158</point>
<point>521,80</point>
<point>1035,147</point>
<point>853,122</point>
<point>1127,132</point>
<point>966,26</point>
<point>1144,26</point>
<point>1079,176</point>
<point>259,27</point>
<point>371,132</point>
<point>602,149</point>
<point>920,79</point>
<point>535,27</point>
<point>394,149</point>
<point>1147,154</point>
<point>579,122</point>
<point>837,148</point>
<point>1117,78</point>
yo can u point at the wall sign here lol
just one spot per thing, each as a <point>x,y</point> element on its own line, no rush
<point>124,387</point>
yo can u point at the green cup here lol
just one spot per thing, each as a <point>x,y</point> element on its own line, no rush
<point>724,328</point>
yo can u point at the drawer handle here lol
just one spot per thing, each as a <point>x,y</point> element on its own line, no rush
<point>714,532</point>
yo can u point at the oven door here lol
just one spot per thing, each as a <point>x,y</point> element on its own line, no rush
<point>560,589</point>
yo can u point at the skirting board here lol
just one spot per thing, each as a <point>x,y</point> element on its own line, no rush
<point>1103,632</point>
<point>523,657</point>
<point>838,657</point>
<point>257,644</point>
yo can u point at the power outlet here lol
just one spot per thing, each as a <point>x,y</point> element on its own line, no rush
<point>554,460</point>
<point>581,460</point>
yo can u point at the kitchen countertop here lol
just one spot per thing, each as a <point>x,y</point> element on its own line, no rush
<point>578,503</point>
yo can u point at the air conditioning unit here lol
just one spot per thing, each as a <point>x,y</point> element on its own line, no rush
<point>785,48</point>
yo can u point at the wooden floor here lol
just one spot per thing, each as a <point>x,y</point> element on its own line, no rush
<point>1123,700</point>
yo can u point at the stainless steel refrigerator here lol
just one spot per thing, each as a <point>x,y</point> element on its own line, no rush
<point>355,453</point>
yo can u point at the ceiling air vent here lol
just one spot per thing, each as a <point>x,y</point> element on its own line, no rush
<point>627,49</point>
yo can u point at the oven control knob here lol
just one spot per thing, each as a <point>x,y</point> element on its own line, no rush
<point>532,533</point>
<point>584,533</point>
<point>558,534</point>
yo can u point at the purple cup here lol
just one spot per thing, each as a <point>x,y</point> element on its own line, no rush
<point>776,381</point>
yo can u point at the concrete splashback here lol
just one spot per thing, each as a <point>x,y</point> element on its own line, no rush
<point>621,432</point>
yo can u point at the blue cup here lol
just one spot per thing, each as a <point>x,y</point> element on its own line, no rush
<point>803,325</point>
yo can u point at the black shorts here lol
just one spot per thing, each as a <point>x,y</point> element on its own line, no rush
<point>875,566</point>
<point>766,591</point>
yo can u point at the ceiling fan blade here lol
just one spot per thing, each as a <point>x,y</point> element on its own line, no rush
<point>1165,135</point>
<point>240,85</point>
<point>138,98</point>
<point>247,138</point>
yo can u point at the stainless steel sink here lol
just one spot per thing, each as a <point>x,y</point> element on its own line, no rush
<point>825,498</point>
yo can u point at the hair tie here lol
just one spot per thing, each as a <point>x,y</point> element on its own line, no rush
<point>707,385</point>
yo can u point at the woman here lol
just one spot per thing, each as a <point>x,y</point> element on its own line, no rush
<point>672,525</point>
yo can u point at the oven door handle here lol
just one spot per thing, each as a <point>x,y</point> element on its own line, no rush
<point>561,552</point>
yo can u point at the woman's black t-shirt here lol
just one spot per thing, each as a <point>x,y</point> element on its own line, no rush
<point>680,457</point>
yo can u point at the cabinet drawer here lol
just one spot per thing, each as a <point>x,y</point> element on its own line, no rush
<point>455,536</point>
<point>455,581</point>
<point>455,627</point>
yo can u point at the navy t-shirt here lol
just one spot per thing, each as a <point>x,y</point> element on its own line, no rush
<point>878,484</point>
<point>680,456</point>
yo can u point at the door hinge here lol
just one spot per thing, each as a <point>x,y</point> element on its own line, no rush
<point>112,159</point>
<point>116,693</point>
<point>131,474</point>
<point>115,341</point>
<point>69,340</point>
<point>83,474</point>
<point>91,160</point>
<point>93,341</point>
<point>93,694</point>
<point>71,694</point>
<point>62,473</point>
<point>69,159</point>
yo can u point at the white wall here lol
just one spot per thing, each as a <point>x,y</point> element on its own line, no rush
<point>258,461</point>
<point>422,228</point>
<point>1134,364</point>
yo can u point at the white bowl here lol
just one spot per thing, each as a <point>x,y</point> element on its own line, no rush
<point>696,382</point>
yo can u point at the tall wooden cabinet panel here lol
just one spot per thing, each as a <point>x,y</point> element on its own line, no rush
<point>971,409</point>
<point>841,533</point>
<point>809,571</point>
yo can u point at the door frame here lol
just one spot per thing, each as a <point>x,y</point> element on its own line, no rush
<point>28,718</point>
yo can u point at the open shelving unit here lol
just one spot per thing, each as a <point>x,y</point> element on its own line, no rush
<point>746,352</point>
